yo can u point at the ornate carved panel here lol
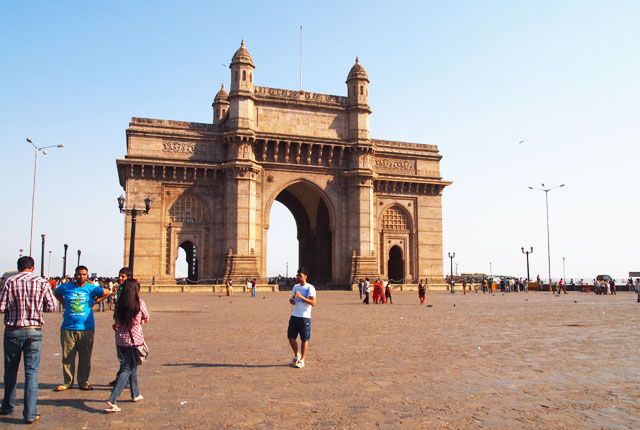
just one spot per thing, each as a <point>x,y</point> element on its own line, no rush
<point>392,165</point>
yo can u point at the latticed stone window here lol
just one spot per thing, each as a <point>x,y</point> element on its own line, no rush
<point>395,218</point>
<point>187,209</point>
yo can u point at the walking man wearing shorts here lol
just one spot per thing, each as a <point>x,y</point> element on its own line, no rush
<point>303,297</point>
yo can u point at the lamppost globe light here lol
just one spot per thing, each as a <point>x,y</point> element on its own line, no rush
<point>33,194</point>
<point>546,197</point>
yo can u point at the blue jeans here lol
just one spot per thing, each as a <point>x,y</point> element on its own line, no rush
<point>253,291</point>
<point>27,342</point>
<point>128,372</point>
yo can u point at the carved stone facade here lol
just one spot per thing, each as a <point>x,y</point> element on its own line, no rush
<point>363,207</point>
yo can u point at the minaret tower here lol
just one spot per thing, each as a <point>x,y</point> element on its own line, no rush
<point>220,105</point>
<point>360,177</point>
<point>241,96</point>
<point>358,108</point>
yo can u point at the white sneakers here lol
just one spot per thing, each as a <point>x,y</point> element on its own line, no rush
<point>299,364</point>
<point>295,360</point>
<point>137,398</point>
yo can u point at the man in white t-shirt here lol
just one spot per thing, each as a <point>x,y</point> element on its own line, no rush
<point>303,297</point>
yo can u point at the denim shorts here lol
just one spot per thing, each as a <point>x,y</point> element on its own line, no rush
<point>299,326</point>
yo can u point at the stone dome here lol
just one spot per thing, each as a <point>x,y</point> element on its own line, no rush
<point>357,72</point>
<point>242,56</point>
<point>222,95</point>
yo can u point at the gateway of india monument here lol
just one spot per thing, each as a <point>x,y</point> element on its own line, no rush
<point>363,207</point>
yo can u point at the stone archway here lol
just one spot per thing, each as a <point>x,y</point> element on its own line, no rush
<point>187,228</point>
<point>312,215</point>
<point>192,260</point>
<point>395,265</point>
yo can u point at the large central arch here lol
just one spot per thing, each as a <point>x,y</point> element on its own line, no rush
<point>313,215</point>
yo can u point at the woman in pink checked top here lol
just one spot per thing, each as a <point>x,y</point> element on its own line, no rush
<point>131,312</point>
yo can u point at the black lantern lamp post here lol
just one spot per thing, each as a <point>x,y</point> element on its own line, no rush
<point>451,257</point>
<point>42,256</point>
<point>79,252</point>
<point>527,252</point>
<point>134,215</point>
<point>64,261</point>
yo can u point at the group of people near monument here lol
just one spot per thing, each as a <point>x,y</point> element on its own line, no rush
<point>24,298</point>
<point>250,285</point>
<point>381,291</point>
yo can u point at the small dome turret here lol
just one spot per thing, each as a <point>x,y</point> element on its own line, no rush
<point>242,56</point>
<point>358,102</point>
<point>222,95</point>
<point>357,72</point>
<point>220,105</point>
<point>242,68</point>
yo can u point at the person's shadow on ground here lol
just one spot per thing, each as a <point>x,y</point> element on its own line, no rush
<point>224,365</point>
<point>11,420</point>
<point>80,404</point>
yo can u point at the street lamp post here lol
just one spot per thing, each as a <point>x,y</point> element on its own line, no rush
<point>64,261</point>
<point>451,257</point>
<point>37,150</point>
<point>134,215</point>
<point>527,252</point>
<point>42,257</point>
<point>49,265</point>
<point>79,252</point>
<point>546,197</point>
<point>21,251</point>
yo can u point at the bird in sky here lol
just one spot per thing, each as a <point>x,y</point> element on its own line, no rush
<point>520,141</point>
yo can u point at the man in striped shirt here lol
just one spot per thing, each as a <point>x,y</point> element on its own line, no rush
<point>23,299</point>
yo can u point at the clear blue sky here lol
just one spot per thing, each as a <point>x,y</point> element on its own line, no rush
<point>474,78</point>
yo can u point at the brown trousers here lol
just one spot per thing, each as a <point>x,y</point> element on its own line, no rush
<point>80,342</point>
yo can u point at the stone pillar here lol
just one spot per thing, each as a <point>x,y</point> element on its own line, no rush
<point>361,221</point>
<point>429,235</point>
<point>241,220</point>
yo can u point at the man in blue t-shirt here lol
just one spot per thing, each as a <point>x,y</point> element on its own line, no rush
<point>78,324</point>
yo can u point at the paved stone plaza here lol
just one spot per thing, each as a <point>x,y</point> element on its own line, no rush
<point>476,361</point>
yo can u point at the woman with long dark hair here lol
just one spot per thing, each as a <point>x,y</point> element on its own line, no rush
<point>131,312</point>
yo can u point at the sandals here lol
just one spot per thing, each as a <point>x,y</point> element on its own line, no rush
<point>87,387</point>
<point>61,387</point>
<point>35,419</point>
<point>112,407</point>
